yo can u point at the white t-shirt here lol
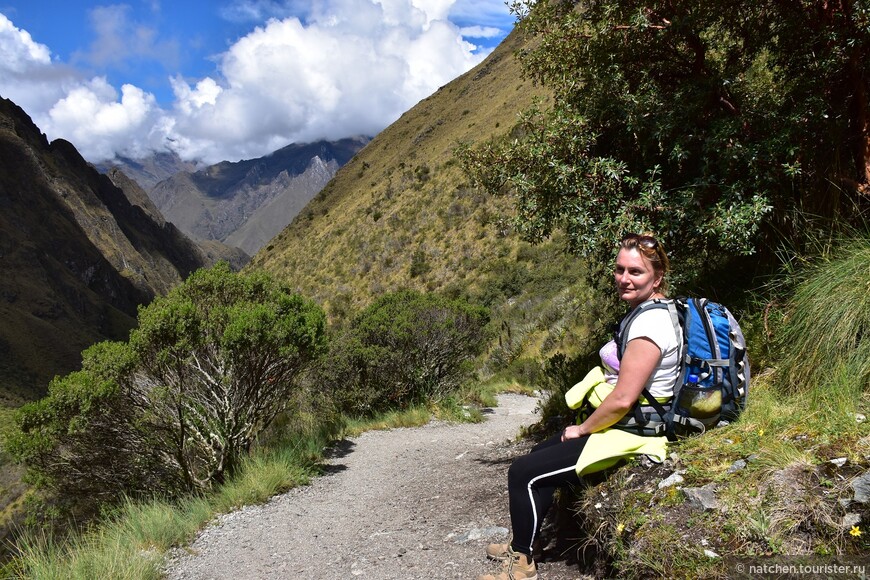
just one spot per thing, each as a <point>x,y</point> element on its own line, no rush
<point>656,325</point>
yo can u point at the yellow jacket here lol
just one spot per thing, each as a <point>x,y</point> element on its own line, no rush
<point>605,448</point>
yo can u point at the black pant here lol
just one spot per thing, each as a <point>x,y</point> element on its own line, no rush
<point>532,482</point>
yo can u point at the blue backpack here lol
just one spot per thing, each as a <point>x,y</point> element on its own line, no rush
<point>713,381</point>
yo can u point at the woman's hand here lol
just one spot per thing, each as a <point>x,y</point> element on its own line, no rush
<point>572,432</point>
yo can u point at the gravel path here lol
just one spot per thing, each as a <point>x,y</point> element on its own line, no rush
<point>401,504</point>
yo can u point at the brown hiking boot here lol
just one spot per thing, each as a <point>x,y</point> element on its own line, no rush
<point>516,566</point>
<point>498,552</point>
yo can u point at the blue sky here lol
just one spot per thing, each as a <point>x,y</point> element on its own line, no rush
<point>232,79</point>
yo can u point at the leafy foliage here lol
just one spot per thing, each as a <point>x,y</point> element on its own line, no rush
<point>174,409</point>
<point>406,348</point>
<point>703,122</point>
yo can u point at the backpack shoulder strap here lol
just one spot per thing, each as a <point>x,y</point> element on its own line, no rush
<point>622,328</point>
<point>671,305</point>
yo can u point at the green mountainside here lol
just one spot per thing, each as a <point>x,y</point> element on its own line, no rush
<point>787,483</point>
<point>401,214</point>
<point>77,257</point>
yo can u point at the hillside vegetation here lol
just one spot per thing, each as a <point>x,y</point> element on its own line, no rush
<point>724,135</point>
<point>402,215</point>
<point>629,134</point>
<point>78,257</point>
<point>401,212</point>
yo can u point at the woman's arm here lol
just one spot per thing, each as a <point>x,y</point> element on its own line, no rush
<point>638,363</point>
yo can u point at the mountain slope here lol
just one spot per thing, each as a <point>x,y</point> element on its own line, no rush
<point>400,213</point>
<point>246,203</point>
<point>76,257</point>
<point>270,218</point>
<point>213,250</point>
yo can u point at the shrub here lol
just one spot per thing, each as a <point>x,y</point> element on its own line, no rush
<point>419,265</point>
<point>176,408</point>
<point>406,348</point>
<point>84,438</point>
<point>678,118</point>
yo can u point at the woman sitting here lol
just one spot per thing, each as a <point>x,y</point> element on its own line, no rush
<point>650,359</point>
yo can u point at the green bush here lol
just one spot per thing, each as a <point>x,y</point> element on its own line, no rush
<point>177,407</point>
<point>84,438</point>
<point>419,264</point>
<point>404,349</point>
<point>680,118</point>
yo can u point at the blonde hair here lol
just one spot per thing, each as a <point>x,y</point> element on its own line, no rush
<point>651,249</point>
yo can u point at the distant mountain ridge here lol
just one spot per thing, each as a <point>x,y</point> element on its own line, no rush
<point>150,170</point>
<point>213,250</point>
<point>244,203</point>
<point>267,220</point>
<point>77,256</point>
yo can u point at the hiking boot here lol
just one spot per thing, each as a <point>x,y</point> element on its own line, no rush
<point>498,552</point>
<point>516,566</point>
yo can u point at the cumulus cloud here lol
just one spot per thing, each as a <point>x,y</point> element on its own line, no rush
<point>18,50</point>
<point>92,113</point>
<point>27,74</point>
<point>310,71</point>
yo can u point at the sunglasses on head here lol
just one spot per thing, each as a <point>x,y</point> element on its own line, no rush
<point>648,242</point>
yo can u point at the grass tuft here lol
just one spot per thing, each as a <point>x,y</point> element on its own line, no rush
<point>828,321</point>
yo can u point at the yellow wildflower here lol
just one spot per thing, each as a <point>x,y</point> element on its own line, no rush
<point>619,528</point>
<point>761,432</point>
<point>855,531</point>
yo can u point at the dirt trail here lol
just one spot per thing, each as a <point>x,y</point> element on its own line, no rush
<point>400,504</point>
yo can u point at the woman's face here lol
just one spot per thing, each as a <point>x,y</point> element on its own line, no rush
<point>636,279</point>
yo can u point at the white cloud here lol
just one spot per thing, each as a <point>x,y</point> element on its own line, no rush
<point>18,51</point>
<point>92,114</point>
<point>481,32</point>
<point>27,74</point>
<point>341,68</point>
<point>352,69</point>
